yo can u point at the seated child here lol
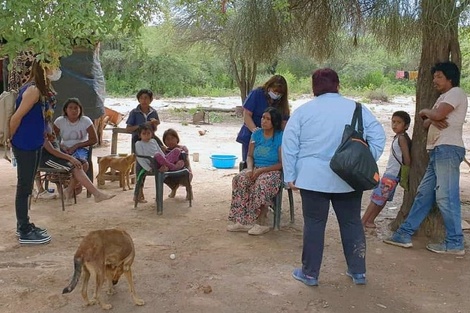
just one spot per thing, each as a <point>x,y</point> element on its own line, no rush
<point>149,147</point>
<point>172,141</point>
<point>400,154</point>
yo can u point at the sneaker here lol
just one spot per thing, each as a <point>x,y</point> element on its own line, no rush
<point>34,238</point>
<point>239,227</point>
<point>442,249</point>
<point>358,279</point>
<point>258,230</point>
<point>399,240</point>
<point>46,195</point>
<point>42,231</point>
<point>298,274</point>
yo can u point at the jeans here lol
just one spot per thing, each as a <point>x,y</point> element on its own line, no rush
<point>27,165</point>
<point>440,184</point>
<point>347,206</point>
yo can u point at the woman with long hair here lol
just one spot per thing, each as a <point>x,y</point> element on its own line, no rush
<point>273,93</point>
<point>254,188</point>
<point>28,127</point>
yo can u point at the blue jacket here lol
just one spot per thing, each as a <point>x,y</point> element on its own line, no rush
<point>312,135</point>
<point>137,117</point>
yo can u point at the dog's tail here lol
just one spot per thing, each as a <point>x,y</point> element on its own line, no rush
<point>77,264</point>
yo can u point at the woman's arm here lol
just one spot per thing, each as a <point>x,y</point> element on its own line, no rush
<point>30,98</point>
<point>249,158</point>
<point>248,119</point>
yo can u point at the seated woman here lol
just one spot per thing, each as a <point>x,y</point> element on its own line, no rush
<point>254,188</point>
<point>172,142</point>
<point>77,132</point>
<point>52,157</point>
<point>148,146</point>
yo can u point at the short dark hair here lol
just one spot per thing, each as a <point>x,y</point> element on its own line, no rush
<point>276,117</point>
<point>68,102</point>
<point>145,91</point>
<point>450,71</point>
<point>171,132</point>
<point>144,127</point>
<point>325,80</point>
<point>404,116</point>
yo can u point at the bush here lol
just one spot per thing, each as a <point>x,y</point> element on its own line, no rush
<point>377,95</point>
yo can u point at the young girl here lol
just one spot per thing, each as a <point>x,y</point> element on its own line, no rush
<point>149,146</point>
<point>172,141</point>
<point>399,154</point>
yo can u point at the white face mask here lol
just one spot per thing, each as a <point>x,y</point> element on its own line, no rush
<point>55,76</point>
<point>274,95</point>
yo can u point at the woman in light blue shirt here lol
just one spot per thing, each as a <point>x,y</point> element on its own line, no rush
<point>311,137</point>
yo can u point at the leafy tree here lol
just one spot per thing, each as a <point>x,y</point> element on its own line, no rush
<point>322,25</point>
<point>246,32</point>
<point>395,23</point>
<point>54,27</point>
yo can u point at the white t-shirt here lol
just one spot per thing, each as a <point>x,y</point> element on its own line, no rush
<point>72,133</point>
<point>452,135</point>
<point>148,149</point>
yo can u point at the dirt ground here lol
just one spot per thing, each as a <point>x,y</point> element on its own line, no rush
<point>245,273</point>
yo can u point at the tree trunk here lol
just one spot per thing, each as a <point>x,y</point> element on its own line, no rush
<point>439,43</point>
<point>244,72</point>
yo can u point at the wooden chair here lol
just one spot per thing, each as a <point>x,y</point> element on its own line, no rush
<point>278,201</point>
<point>60,177</point>
<point>172,178</point>
<point>89,172</point>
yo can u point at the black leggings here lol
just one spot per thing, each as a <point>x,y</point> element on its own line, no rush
<point>26,168</point>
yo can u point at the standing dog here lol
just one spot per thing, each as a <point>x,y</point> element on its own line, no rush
<point>106,254</point>
<point>121,164</point>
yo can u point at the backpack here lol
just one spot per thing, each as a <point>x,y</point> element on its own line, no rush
<point>7,108</point>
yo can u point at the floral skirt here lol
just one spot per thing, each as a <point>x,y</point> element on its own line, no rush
<point>249,196</point>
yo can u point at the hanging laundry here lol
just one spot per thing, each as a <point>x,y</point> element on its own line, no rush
<point>400,75</point>
<point>407,75</point>
<point>413,75</point>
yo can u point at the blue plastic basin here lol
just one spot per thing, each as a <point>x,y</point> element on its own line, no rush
<point>223,160</point>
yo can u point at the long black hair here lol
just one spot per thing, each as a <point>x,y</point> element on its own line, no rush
<point>276,117</point>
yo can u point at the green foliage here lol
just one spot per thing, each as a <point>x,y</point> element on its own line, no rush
<point>53,28</point>
<point>200,70</point>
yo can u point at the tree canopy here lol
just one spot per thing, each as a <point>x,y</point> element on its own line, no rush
<point>54,27</point>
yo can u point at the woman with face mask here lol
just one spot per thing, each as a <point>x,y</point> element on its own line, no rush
<point>272,94</point>
<point>28,128</point>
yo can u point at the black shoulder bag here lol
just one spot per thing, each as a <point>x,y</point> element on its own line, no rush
<point>353,161</point>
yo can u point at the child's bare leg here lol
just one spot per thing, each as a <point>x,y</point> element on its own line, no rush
<point>173,192</point>
<point>373,210</point>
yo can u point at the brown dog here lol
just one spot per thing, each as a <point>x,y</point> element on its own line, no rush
<point>121,164</point>
<point>106,254</point>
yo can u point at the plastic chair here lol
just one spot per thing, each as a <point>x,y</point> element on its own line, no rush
<point>160,177</point>
<point>278,201</point>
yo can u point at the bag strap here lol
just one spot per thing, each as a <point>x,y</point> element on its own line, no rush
<point>394,153</point>
<point>357,117</point>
